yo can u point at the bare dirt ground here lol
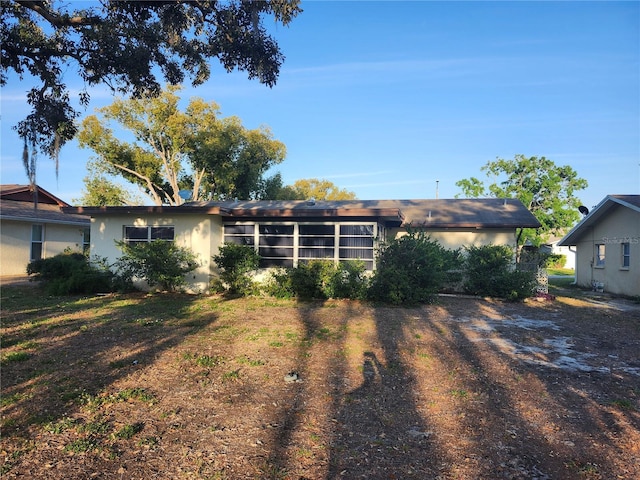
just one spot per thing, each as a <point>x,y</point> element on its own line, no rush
<point>164,386</point>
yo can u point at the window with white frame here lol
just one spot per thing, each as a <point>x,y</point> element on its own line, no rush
<point>136,234</point>
<point>276,245</point>
<point>600,250</point>
<point>86,240</point>
<point>625,248</point>
<point>289,244</point>
<point>37,242</point>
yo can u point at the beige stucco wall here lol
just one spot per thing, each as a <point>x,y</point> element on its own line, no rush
<point>454,239</point>
<point>621,224</point>
<point>201,234</point>
<point>15,243</point>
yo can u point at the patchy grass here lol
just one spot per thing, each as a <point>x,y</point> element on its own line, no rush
<point>202,387</point>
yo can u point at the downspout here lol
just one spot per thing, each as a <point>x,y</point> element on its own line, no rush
<point>575,263</point>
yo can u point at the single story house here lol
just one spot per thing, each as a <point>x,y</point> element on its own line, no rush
<point>607,244</point>
<point>33,226</point>
<point>552,247</point>
<point>286,233</point>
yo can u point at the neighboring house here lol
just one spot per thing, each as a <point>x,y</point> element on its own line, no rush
<point>30,230</point>
<point>286,233</point>
<point>607,244</point>
<point>552,247</point>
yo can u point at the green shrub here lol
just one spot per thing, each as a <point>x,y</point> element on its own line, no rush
<point>320,279</point>
<point>313,279</point>
<point>490,271</point>
<point>555,260</point>
<point>71,273</point>
<point>349,280</point>
<point>279,284</point>
<point>411,269</point>
<point>236,262</point>
<point>159,263</point>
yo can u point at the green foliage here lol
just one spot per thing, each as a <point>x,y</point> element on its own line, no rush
<point>350,280</point>
<point>319,279</point>
<point>212,157</point>
<point>279,284</point>
<point>313,279</point>
<point>236,262</point>
<point>321,189</point>
<point>411,269</point>
<point>555,260</point>
<point>131,47</point>
<point>490,271</point>
<point>159,263</point>
<point>545,188</point>
<point>72,273</point>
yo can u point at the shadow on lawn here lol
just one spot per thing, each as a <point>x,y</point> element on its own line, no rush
<point>521,421</point>
<point>75,349</point>
<point>381,431</point>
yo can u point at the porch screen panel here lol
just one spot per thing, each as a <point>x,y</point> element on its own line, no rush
<point>240,234</point>
<point>356,243</point>
<point>316,242</point>
<point>275,245</point>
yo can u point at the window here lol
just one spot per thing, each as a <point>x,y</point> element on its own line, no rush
<point>316,241</point>
<point>275,245</point>
<point>37,242</point>
<point>147,234</point>
<point>356,242</point>
<point>600,255</point>
<point>626,254</point>
<point>288,244</point>
<point>86,240</point>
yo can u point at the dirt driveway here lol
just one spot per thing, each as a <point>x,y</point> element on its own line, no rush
<point>466,388</point>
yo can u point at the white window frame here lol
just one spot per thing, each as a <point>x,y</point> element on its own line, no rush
<point>253,239</point>
<point>150,237</point>
<point>36,241</point>
<point>600,254</point>
<point>625,255</point>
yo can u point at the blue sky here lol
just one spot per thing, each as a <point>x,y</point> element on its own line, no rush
<point>390,99</point>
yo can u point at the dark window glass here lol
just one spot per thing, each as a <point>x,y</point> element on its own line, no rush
<point>239,240</point>
<point>316,241</point>
<point>276,241</point>
<point>315,252</point>
<point>36,251</point>
<point>356,230</point>
<point>276,229</point>
<point>316,230</point>
<point>356,242</point>
<point>275,252</point>
<point>276,262</point>
<point>239,229</point>
<point>161,233</point>
<point>363,253</point>
<point>136,233</point>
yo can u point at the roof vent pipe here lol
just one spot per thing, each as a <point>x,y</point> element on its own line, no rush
<point>311,201</point>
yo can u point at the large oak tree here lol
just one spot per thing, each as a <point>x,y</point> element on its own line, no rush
<point>132,46</point>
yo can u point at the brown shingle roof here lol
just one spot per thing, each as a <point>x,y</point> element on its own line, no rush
<point>16,203</point>
<point>440,213</point>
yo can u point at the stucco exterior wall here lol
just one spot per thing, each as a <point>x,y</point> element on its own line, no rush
<point>15,243</point>
<point>454,239</point>
<point>620,225</point>
<point>201,234</point>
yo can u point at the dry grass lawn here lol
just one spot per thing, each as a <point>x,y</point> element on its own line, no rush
<point>184,387</point>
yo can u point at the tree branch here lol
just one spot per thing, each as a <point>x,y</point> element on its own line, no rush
<point>56,20</point>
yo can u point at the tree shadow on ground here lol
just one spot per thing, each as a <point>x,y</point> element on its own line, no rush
<point>74,350</point>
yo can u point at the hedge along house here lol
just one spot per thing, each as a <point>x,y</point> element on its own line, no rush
<point>286,233</point>
<point>33,226</point>
<point>607,245</point>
